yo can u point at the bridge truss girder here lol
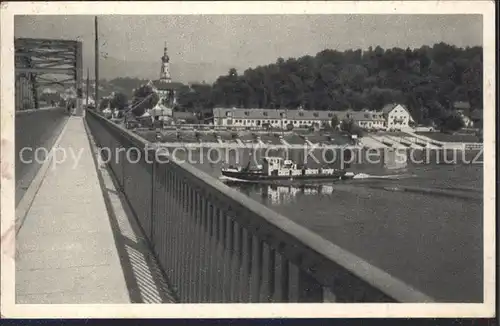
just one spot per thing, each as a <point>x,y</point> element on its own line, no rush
<point>43,63</point>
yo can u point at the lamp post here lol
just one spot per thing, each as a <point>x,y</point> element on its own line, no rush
<point>88,87</point>
<point>96,73</point>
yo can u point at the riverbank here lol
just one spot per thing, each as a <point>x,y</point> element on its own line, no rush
<point>298,139</point>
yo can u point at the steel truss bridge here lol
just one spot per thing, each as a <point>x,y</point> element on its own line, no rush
<point>42,63</point>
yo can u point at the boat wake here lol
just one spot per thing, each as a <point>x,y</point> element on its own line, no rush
<point>362,176</point>
<point>228,179</point>
<point>359,176</point>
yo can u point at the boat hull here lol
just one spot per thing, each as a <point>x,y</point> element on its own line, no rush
<point>256,176</point>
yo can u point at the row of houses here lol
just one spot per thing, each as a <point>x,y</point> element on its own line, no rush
<point>391,117</point>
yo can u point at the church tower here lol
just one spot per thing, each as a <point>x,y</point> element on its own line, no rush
<point>165,67</point>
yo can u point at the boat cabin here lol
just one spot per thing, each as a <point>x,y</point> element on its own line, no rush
<point>279,166</point>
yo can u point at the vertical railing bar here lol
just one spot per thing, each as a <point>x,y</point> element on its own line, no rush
<point>201,245</point>
<point>184,196</point>
<point>222,246</point>
<point>121,155</point>
<point>153,203</point>
<point>218,262</point>
<point>194,245</point>
<point>188,236</point>
<point>236,259</point>
<point>206,249</point>
<point>222,226</point>
<point>163,222</point>
<point>284,279</point>
<point>193,263</point>
<point>184,277</point>
<point>178,240</point>
<point>225,260</point>
<point>157,211</point>
<point>211,258</point>
<point>165,232</point>
<point>200,252</point>
<point>258,266</point>
<point>236,263</point>
<point>171,223</point>
<point>215,255</point>
<point>241,276</point>
<point>175,189</point>
<point>243,264</point>
<point>248,265</point>
<point>175,243</point>
<point>168,217</point>
<point>203,248</point>
<point>233,259</point>
<point>204,264</point>
<point>271,275</point>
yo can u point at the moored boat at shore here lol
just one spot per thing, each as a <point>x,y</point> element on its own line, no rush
<point>277,168</point>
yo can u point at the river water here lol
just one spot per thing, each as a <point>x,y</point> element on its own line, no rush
<point>429,236</point>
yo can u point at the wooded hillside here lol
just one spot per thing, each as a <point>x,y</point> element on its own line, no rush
<point>427,80</point>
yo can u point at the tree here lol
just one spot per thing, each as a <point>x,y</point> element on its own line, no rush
<point>233,72</point>
<point>347,125</point>
<point>144,99</point>
<point>335,121</point>
<point>356,130</point>
<point>289,127</point>
<point>103,104</point>
<point>452,122</point>
<point>125,85</point>
<point>426,80</point>
<point>119,101</point>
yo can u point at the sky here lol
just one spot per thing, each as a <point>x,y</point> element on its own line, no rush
<point>210,44</point>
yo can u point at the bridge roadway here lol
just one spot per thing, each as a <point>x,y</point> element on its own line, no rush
<point>77,241</point>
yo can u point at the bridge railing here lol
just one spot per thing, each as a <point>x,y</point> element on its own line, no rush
<point>217,245</point>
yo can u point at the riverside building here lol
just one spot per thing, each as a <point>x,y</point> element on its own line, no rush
<point>394,116</point>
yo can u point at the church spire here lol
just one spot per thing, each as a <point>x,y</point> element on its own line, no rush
<point>165,69</point>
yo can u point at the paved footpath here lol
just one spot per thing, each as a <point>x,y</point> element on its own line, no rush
<point>65,249</point>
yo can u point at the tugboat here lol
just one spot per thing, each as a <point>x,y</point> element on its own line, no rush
<point>277,168</point>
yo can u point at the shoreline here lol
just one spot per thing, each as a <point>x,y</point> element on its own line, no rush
<point>255,145</point>
<point>289,140</point>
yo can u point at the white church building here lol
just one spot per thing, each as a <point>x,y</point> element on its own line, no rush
<point>166,90</point>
